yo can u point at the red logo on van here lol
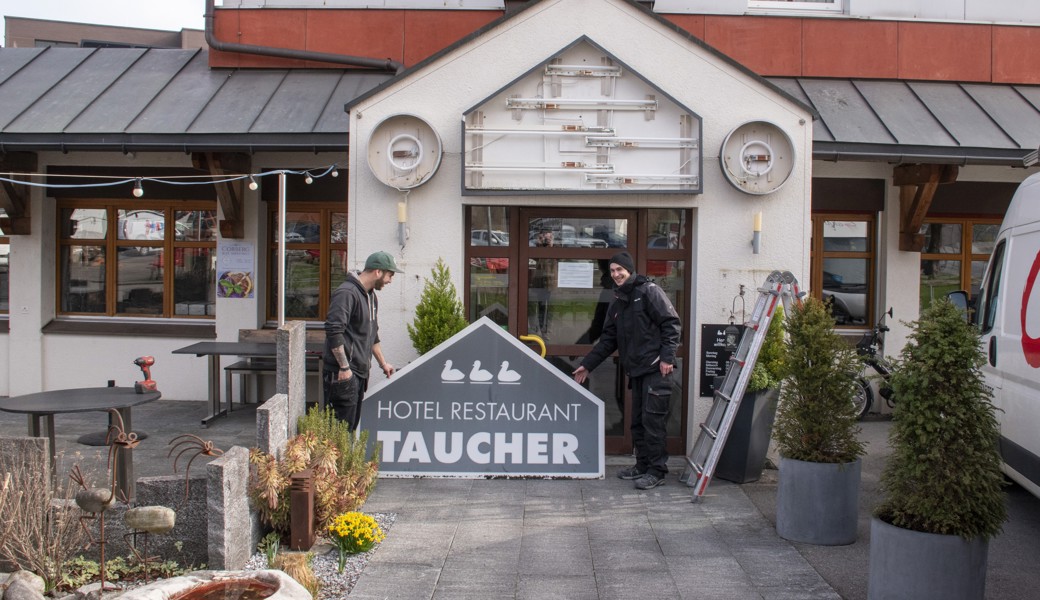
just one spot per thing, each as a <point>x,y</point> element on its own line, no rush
<point>1030,345</point>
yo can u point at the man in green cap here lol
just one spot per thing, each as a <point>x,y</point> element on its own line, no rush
<point>352,337</point>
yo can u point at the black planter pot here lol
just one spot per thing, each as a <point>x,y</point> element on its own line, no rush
<point>924,566</point>
<point>744,455</point>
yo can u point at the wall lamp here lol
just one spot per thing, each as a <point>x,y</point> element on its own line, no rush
<point>756,234</point>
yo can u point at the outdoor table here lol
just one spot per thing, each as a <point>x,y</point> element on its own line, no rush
<point>214,350</point>
<point>44,405</point>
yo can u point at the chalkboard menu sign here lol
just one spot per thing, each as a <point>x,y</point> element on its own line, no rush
<point>714,355</point>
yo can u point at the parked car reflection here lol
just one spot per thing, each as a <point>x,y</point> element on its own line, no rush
<point>848,301</point>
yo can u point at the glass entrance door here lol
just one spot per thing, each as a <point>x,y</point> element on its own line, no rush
<point>562,288</point>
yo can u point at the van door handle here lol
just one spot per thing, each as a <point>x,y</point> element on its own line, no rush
<point>993,351</point>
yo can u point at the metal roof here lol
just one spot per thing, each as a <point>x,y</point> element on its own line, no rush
<point>135,99</point>
<point>921,121</point>
<point>162,99</point>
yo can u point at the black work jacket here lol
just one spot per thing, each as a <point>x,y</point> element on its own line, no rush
<point>641,325</point>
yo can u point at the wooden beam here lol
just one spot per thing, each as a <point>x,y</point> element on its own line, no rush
<point>14,198</point>
<point>918,184</point>
<point>229,194</point>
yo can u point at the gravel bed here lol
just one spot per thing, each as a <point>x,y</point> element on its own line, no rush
<point>326,560</point>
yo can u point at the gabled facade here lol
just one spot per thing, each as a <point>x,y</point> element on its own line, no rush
<point>873,156</point>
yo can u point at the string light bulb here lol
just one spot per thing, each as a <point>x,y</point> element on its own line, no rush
<point>253,185</point>
<point>138,189</point>
<point>335,172</point>
<point>308,179</point>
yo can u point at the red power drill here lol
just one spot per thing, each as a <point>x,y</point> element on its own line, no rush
<point>148,385</point>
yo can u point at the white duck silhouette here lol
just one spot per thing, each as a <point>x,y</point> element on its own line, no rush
<point>478,374</point>
<point>506,375</point>
<point>450,374</point>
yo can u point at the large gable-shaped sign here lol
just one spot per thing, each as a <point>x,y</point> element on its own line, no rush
<point>482,404</point>
<point>581,122</point>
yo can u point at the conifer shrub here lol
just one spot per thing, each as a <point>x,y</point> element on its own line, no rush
<point>439,314</point>
<point>816,419</point>
<point>943,475</point>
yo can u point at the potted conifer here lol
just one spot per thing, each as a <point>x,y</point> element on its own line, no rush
<point>942,482</point>
<point>816,432</point>
<point>744,454</point>
<point>439,314</point>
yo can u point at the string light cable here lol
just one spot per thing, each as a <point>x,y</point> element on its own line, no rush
<point>138,181</point>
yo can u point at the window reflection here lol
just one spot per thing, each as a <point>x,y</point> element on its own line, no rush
<point>301,285</point>
<point>139,284</point>
<point>489,289</point>
<point>577,232</point>
<point>194,286</point>
<point>846,236</point>
<point>667,228</point>
<point>84,223</point>
<point>939,277</point>
<point>195,225</point>
<point>83,279</point>
<point>845,287</point>
<point>941,238</point>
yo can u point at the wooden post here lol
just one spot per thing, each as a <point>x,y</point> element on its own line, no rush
<point>301,510</point>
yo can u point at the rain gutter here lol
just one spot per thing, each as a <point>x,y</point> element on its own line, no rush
<point>343,59</point>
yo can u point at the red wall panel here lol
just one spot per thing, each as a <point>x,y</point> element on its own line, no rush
<point>841,48</point>
<point>766,46</point>
<point>1015,52</point>
<point>945,51</point>
<point>769,46</point>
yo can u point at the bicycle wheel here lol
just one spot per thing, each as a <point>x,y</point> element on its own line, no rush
<point>863,397</point>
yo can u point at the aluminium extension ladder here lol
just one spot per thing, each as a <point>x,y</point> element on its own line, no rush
<point>703,458</point>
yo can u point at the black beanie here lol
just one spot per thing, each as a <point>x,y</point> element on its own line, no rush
<point>624,259</point>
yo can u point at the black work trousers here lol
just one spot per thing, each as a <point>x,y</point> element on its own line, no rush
<point>651,403</point>
<point>345,396</point>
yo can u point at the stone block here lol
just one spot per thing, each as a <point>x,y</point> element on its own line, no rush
<point>234,530</point>
<point>272,425</point>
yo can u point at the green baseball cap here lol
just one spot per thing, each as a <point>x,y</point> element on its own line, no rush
<point>382,261</point>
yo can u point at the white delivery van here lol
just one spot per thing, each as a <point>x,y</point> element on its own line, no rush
<point>1008,315</point>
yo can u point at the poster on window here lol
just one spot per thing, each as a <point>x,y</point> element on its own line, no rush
<point>235,269</point>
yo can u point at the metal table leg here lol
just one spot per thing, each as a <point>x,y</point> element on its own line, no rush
<point>214,390</point>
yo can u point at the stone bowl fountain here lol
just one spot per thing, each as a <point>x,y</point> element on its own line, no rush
<point>216,585</point>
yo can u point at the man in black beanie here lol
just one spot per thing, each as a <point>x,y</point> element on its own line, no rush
<point>644,328</point>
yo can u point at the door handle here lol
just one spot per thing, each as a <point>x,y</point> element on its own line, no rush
<point>993,351</point>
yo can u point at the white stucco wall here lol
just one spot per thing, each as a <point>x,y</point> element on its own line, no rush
<point>721,94</point>
<point>31,361</point>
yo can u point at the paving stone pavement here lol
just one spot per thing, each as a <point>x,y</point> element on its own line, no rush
<point>576,539</point>
<point>596,539</point>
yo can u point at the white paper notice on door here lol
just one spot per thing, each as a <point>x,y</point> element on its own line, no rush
<point>575,274</point>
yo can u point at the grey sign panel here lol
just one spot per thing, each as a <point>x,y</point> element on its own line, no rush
<point>482,404</point>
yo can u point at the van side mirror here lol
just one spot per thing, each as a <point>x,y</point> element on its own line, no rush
<point>960,300</point>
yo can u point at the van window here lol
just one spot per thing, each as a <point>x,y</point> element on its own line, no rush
<point>991,289</point>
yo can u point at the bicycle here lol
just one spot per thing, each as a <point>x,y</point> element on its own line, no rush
<point>871,348</point>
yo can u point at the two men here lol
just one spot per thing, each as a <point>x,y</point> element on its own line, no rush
<point>352,337</point>
<point>642,325</point>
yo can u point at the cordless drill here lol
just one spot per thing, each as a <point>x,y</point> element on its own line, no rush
<point>148,385</point>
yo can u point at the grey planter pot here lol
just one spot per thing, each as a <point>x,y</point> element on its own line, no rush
<point>744,454</point>
<point>817,503</point>
<point>924,566</point>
